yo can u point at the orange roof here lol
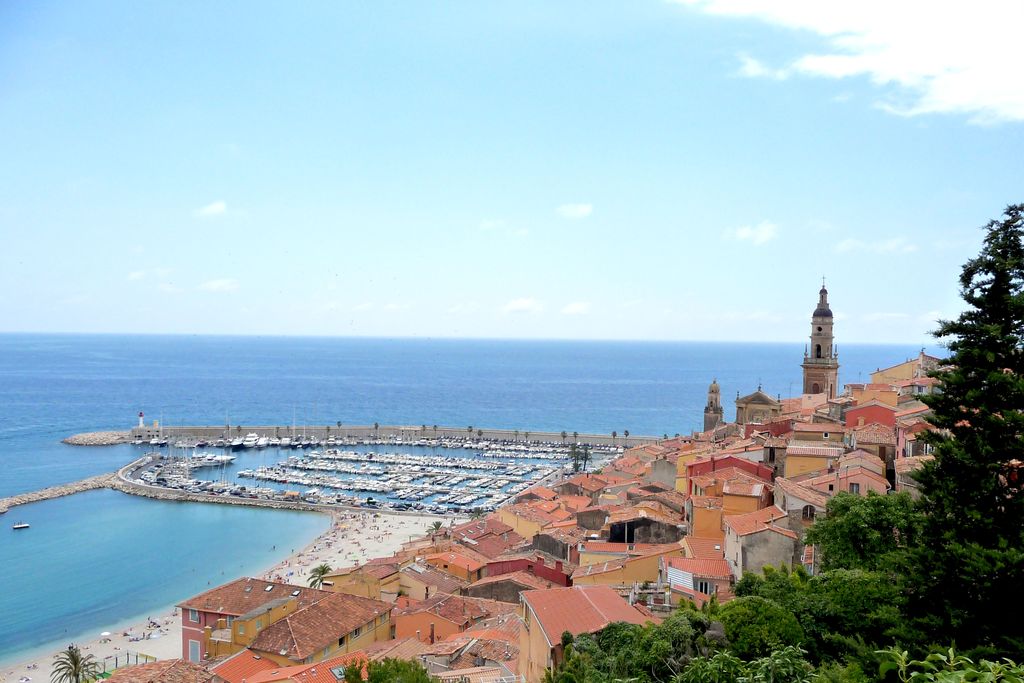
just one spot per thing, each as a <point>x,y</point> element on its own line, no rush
<point>911,464</point>
<point>522,577</point>
<point>244,595</point>
<point>704,548</point>
<point>459,609</point>
<point>616,548</point>
<point>426,574</point>
<point>243,666</point>
<point>875,433</point>
<point>319,672</point>
<point>542,492</point>
<point>757,521</point>
<point>167,671</point>
<point>706,502</point>
<point>715,569</point>
<point>801,492</point>
<point>308,630</point>
<point>505,627</point>
<point>400,648</point>
<point>456,559</point>
<point>580,609</point>
<point>816,427</point>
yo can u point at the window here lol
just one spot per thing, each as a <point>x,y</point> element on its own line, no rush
<point>356,631</point>
<point>341,641</point>
<point>824,435</point>
<point>194,653</point>
<point>808,513</point>
<point>193,616</point>
<point>241,629</point>
<point>704,586</point>
<point>259,624</point>
<point>855,488</point>
<point>830,487</point>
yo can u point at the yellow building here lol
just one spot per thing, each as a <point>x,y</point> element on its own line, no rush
<point>374,581</point>
<point>284,633</point>
<point>805,457</point>
<point>910,369</point>
<point>625,571</point>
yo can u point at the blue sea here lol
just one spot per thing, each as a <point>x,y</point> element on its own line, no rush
<point>96,558</point>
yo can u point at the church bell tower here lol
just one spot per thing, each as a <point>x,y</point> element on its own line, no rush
<point>821,362</point>
<point>713,411</point>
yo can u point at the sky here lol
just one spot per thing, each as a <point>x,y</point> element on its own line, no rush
<point>643,169</point>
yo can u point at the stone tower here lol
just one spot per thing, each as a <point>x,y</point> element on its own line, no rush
<point>821,362</point>
<point>713,410</point>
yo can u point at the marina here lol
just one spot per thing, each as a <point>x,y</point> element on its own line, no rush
<point>439,476</point>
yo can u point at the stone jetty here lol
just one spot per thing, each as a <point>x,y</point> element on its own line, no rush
<point>111,438</point>
<point>98,482</point>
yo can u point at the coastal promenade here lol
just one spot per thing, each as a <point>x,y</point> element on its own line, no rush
<point>389,432</point>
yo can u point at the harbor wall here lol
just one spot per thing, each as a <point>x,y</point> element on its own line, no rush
<point>405,432</point>
<point>97,482</point>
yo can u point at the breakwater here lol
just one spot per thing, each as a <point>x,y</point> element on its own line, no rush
<point>386,432</point>
<point>109,438</point>
<point>97,482</point>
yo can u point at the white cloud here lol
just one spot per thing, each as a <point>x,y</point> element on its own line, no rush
<point>575,211</point>
<point>753,68</point>
<point>893,245</point>
<point>217,208</point>
<point>136,275</point>
<point>936,57</point>
<point>523,305</point>
<point>761,233</point>
<point>576,308</point>
<point>221,285</point>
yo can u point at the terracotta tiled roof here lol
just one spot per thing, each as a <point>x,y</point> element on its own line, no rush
<point>401,648</point>
<point>541,492</point>
<point>308,630</point>
<point>598,568</point>
<point>752,522</point>
<point>326,671</point>
<point>506,627</point>
<point>801,492</point>
<point>439,580</point>
<point>244,595</point>
<point>616,548</point>
<point>477,674</point>
<point>875,433</point>
<point>911,464</point>
<point>913,410</point>
<point>706,502</point>
<point>243,666</point>
<point>859,458</point>
<point>523,578</point>
<point>819,448</point>
<point>580,609</point>
<point>167,671</point>
<point>714,569</point>
<point>588,482</point>
<point>815,427</point>
<point>703,548</point>
<point>460,610</point>
<point>456,559</point>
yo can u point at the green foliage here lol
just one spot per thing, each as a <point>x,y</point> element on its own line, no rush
<point>786,665</point>
<point>71,666</point>
<point>316,576</point>
<point>755,626</point>
<point>863,532</point>
<point>971,559</point>
<point>843,613</point>
<point>948,667</point>
<point>396,671</point>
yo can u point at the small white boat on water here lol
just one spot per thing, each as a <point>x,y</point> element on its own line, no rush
<point>251,439</point>
<point>20,525</point>
<point>262,442</point>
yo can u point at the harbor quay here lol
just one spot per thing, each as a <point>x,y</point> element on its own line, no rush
<point>406,433</point>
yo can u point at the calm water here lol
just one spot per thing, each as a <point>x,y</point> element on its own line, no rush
<point>93,558</point>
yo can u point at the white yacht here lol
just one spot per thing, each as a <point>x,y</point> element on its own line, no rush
<point>262,442</point>
<point>251,439</point>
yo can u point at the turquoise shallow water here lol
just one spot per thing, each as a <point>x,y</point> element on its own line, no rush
<point>92,560</point>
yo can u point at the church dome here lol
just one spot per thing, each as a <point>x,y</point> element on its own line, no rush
<point>713,388</point>
<point>823,310</point>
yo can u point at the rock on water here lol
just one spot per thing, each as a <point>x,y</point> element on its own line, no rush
<point>97,439</point>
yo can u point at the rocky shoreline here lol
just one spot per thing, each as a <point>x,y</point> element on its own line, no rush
<point>110,438</point>
<point>98,482</point>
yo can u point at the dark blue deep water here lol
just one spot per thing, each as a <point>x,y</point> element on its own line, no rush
<point>55,385</point>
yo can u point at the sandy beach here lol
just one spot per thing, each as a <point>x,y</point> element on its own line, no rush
<point>354,537</point>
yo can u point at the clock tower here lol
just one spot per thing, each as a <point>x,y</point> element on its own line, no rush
<point>821,362</point>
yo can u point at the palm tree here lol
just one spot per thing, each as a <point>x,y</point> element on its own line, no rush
<point>625,435</point>
<point>479,433</point>
<point>563,436</point>
<point>517,435</point>
<point>316,577</point>
<point>615,435</point>
<point>435,431</point>
<point>376,430</point>
<point>576,436</point>
<point>435,527</point>
<point>71,666</point>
